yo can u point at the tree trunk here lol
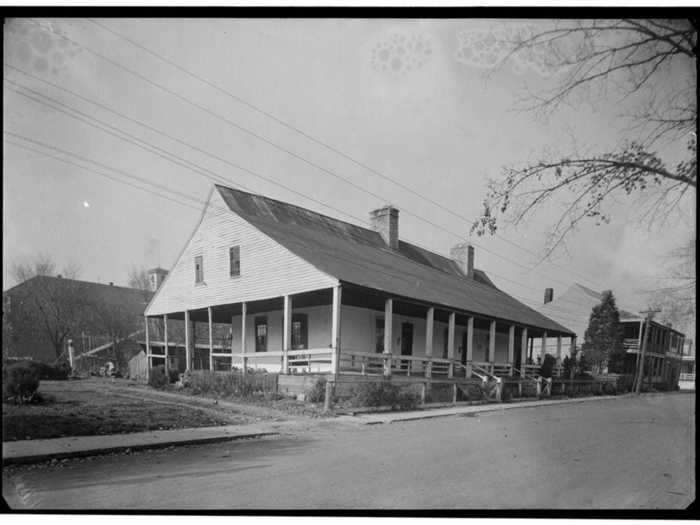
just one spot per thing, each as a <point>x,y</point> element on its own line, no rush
<point>58,348</point>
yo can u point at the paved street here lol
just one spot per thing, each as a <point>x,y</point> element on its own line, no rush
<point>622,453</point>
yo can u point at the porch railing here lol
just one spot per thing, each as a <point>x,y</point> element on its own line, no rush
<point>630,344</point>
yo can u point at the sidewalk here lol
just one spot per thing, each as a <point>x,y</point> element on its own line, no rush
<point>392,417</point>
<point>37,450</point>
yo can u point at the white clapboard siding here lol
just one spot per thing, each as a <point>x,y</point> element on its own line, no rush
<point>267,268</point>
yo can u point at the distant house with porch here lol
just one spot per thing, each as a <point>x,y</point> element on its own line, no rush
<point>265,284</point>
<point>664,349</point>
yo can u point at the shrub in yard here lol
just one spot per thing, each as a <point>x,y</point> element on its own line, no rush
<point>609,388</point>
<point>381,393</point>
<point>407,400</point>
<point>56,372</point>
<point>156,377</point>
<point>19,383</point>
<point>317,394</point>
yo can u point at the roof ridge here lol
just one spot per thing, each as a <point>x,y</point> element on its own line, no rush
<point>369,230</point>
<point>61,278</point>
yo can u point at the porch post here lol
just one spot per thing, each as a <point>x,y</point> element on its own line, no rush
<point>244,315</point>
<point>523,350</point>
<point>211,340</point>
<point>492,342</point>
<point>511,348</point>
<point>429,318</point>
<point>165,341</point>
<point>558,349</point>
<point>287,333</point>
<point>188,350</point>
<point>470,345</point>
<point>148,350</point>
<point>335,328</point>
<point>451,343</point>
<point>543,348</point>
<point>388,337</point>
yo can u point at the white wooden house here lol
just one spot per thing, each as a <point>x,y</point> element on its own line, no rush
<point>289,290</point>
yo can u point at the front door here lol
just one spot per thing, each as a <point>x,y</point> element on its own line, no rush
<point>406,345</point>
<point>464,348</point>
<point>406,338</point>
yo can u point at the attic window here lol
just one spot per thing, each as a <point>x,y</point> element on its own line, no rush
<point>234,258</point>
<point>198,270</point>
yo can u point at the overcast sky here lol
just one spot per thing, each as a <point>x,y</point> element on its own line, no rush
<point>415,100</point>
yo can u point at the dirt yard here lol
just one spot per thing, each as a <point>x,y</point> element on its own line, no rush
<point>101,406</point>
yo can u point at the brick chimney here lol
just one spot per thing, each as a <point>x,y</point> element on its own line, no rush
<point>463,255</point>
<point>548,295</point>
<point>385,221</point>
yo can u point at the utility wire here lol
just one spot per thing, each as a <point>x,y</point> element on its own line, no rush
<point>167,155</point>
<point>316,140</point>
<point>277,146</point>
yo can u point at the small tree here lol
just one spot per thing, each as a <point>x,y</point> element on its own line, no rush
<point>603,338</point>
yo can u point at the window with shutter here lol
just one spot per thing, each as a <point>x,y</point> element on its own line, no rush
<point>234,256</point>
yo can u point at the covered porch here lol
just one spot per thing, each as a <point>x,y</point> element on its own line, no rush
<point>349,330</point>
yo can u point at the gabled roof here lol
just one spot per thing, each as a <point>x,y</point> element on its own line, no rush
<point>358,255</point>
<point>94,293</point>
<point>598,296</point>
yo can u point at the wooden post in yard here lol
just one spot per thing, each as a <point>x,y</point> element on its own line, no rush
<point>328,397</point>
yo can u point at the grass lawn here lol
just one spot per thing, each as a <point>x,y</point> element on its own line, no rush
<point>90,407</point>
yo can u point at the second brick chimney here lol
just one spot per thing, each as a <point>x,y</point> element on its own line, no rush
<point>385,221</point>
<point>463,255</point>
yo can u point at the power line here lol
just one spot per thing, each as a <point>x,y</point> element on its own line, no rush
<point>178,160</point>
<point>316,140</point>
<point>277,146</point>
<point>158,186</point>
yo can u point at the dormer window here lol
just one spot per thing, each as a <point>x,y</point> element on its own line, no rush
<point>198,270</point>
<point>234,258</point>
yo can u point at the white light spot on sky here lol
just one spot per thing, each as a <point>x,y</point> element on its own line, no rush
<point>86,204</point>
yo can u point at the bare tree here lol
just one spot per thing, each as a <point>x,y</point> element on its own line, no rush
<point>593,59</point>
<point>677,300</point>
<point>24,269</point>
<point>58,308</point>
<point>138,278</point>
<point>42,264</point>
